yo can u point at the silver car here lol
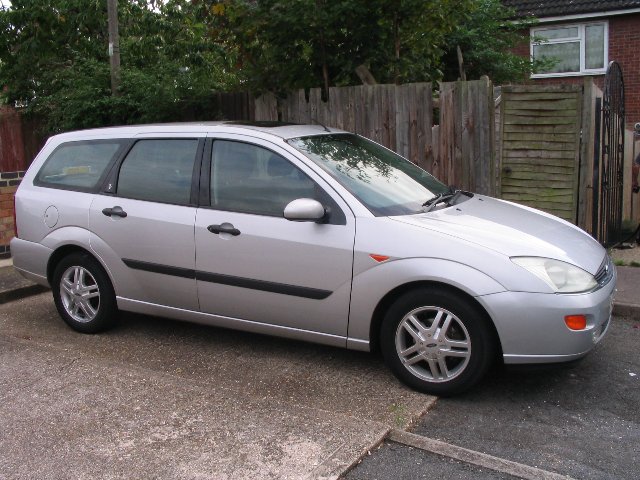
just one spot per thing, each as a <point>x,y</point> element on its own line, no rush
<point>308,233</point>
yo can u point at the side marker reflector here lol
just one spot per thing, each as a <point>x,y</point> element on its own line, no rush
<point>379,258</point>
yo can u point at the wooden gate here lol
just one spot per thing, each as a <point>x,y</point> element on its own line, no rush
<point>540,147</point>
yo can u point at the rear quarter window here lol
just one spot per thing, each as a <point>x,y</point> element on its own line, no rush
<point>78,165</point>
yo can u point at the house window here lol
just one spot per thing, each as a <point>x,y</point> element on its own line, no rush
<point>578,49</point>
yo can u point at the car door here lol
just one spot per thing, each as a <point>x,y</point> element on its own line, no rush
<point>142,223</point>
<point>251,262</point>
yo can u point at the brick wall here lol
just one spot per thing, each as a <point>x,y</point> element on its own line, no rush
<point>9,182</point>
<point>624,48</point>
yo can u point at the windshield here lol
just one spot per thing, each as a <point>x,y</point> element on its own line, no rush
<point>386,183</point>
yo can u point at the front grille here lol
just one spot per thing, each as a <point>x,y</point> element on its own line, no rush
<point>605,272</point>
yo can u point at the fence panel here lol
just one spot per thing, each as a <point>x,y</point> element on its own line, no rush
<point>541,147</point>
<point>12,154</point>
<point>400,117</point>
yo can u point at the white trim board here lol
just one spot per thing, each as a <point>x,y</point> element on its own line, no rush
<point>584,16</point>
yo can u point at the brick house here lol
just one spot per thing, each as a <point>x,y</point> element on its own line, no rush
<point>584,36</point>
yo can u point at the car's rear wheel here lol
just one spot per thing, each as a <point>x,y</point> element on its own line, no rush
<point>83,294</point>
<point>437,341</point>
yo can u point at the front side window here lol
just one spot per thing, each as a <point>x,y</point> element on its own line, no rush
<point>78,165</point>
<point>159,171</point>
<point>570,49</point>
<point>250,179</point>
<point>386,183</point>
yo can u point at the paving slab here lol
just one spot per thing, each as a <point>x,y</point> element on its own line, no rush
<point>627,299</point>
<point>155,398</point>
<point>13,285</point>
<point>81,419</point>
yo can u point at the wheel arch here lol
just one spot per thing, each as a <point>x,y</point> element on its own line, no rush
<point>65,250</point>
<point>385,303</point>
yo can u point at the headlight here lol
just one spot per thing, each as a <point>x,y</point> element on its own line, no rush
<point>560,276</point>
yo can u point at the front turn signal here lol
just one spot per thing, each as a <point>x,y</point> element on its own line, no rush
<point>576,322</point>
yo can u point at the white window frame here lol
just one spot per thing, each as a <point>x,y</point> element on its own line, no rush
<point>580,38</point>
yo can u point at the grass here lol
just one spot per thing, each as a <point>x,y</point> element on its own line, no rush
<point>621,263</point>
<point>399,414</point>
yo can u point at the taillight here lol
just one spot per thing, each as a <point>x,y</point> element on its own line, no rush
<point>15,223</point>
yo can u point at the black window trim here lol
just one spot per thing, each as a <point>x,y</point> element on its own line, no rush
<point>37,182</point>
<point>114,172</point>
<point>338,218</point>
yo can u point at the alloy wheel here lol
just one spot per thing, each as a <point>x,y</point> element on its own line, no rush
<point>80,294</point>
<point>433,344</point>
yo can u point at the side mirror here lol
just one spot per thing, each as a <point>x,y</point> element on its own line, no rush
<point>304,210</point>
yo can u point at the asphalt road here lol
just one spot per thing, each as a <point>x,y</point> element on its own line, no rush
<point>582,421</point>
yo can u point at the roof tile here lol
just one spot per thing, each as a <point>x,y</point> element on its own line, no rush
<point>554,8</point>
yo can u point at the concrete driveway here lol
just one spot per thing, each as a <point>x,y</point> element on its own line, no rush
<point>161,399</point>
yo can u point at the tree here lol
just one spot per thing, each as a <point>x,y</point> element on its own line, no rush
<point>174,53</point>
<point>487,38</point>
<point>285,44</point>
<point>54,62</point>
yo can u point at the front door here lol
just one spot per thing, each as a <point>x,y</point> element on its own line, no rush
<point>253,264</point>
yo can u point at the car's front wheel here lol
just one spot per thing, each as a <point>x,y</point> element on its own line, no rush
<point>436,341</point>
<point>83,294</point>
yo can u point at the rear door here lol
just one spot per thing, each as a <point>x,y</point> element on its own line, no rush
<point>252,263</point>
<point>142,223</point>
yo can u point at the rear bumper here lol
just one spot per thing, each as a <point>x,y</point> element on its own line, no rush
<point>30,260</point>
<point>531,326</point>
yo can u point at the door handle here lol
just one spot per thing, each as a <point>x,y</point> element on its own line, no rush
<point>224,228</point>
<point>115,211</point>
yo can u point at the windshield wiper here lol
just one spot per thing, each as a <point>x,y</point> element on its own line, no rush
<point>450,196</point>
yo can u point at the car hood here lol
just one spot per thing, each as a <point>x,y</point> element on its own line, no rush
<point>513,230</point>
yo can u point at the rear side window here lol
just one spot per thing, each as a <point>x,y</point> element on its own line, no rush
<point>159,171</point>
<point>78,165</point>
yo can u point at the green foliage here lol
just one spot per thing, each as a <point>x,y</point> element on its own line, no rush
<point>54,62</point>
<point>174,53</point>
<point>487,38</point>
<point>285,44</point>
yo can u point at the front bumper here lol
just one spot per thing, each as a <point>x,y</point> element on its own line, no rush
<point>531,326</point>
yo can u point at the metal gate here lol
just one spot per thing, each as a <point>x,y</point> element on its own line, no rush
<point>608,165</point>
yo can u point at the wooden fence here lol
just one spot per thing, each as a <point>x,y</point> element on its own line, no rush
<point>466,136</point>
<point>12,144</point>
<point>528,150</point>
<point>459,150</point>
<point>540,147</point>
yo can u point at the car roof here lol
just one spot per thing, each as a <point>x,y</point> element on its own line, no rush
<point>267,128</point>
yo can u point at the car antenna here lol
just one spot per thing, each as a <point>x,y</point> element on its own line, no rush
<point>318,123</point>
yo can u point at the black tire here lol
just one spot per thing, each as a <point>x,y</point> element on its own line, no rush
<point>76,280</point>
<point>437,363</point>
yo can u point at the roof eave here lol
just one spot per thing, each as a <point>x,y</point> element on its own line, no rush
<point>582,16</point>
